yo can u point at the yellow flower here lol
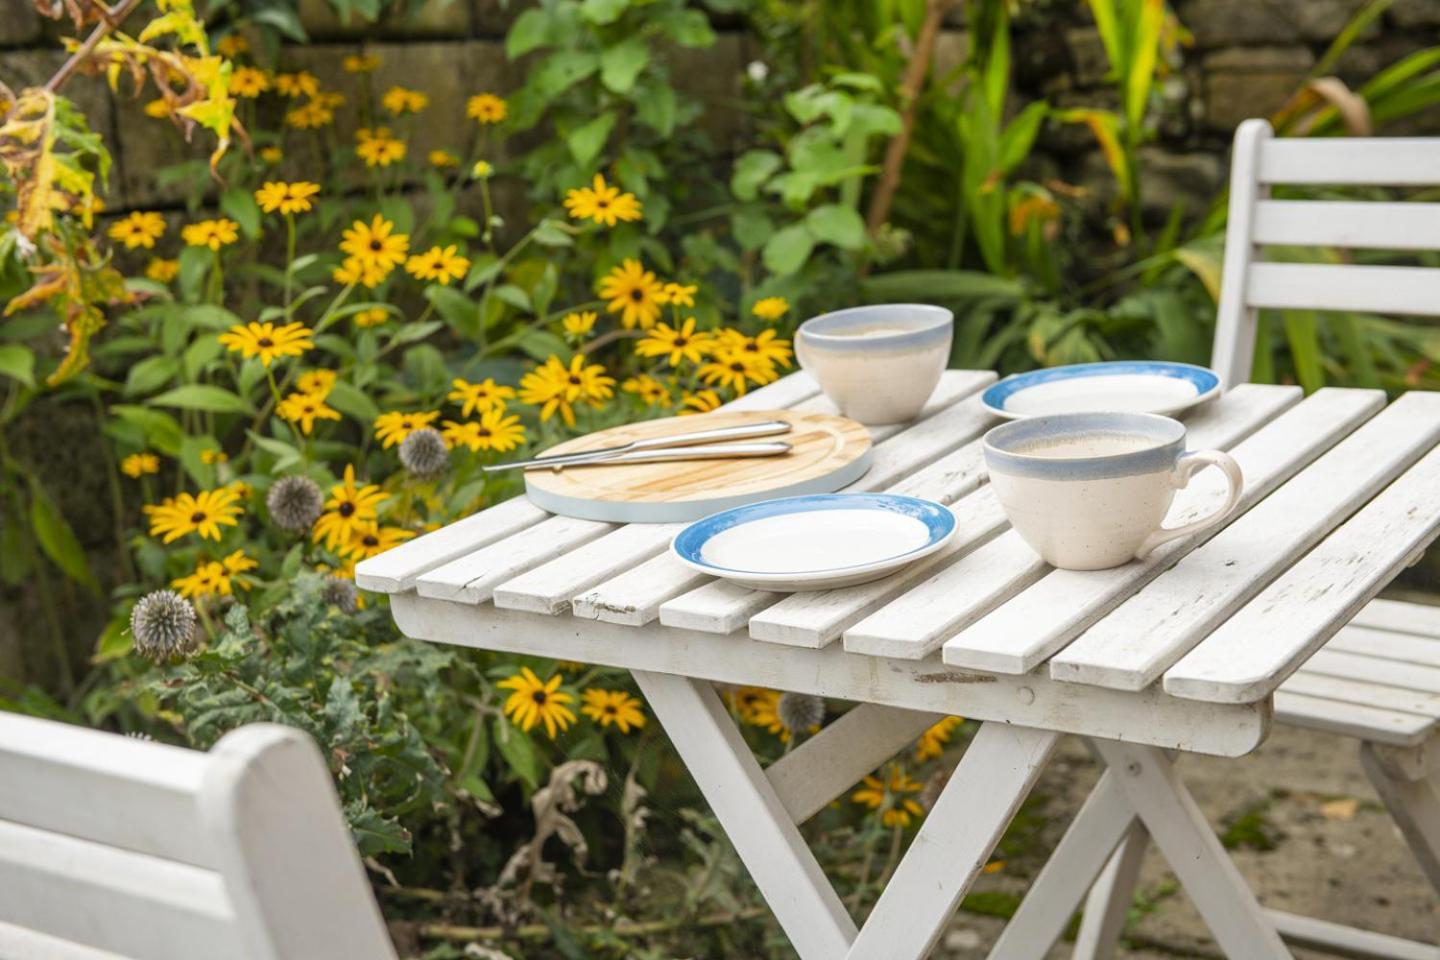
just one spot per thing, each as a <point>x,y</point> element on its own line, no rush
<point>286,197</point>
<point>211,233</point>
<point>329,99</point>
<point>482,170</point>
<point>889,798</point>
<point>554,387</point>
<point>271,155</point>
<point>267,340</point>
<point>439,265</point>
<point>317,383</point>
<point>372,539</point>
<point>301,84</point>
<point>676,345</point>
<point>392,428</point>
<point>159,109</point>
<point>304,409</point>
<point>372,317</point>
<point>348,510</point>
<point>212,456</point>
<point>613,706</point>
<point>238,562</point>
<point>579,325</point>
<point>379,149</point>
<point>699,401</point>
<point>747,701</point>
<point>360,63</point>
<point>766,350</point>
<point>353,270</point>
<point>479,397</point>
<point>202,513</point>
<point>762,709</point>
<point>441,159</point>
<point>679,294</point>
<point>735,369</point>
<point>398,100</point>
<point>248,82</point>
<point>310,116</point>
<point>535,702</point>
<point>494,431</point>
<point>213,577</point>
<point>648,389</point>
<point>138,464</point>
<point>375,247</point>
<point>486,108</point>
<point>634,293</point>
<point>932,742</point>
<point>231,46</point>
<point>138,230</point>
<point>602,203</point>
<point>162,270</point>
<point>770,309</point>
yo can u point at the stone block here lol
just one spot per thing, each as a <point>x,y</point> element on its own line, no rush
<point>1218,23</point>
<point>1259,60</point>
<point>713,75</point>
<point>1087,56</point>
<point>19,23</point>
<point>1415,13</point>
<point>1248,82</point>
<point>436,18</point>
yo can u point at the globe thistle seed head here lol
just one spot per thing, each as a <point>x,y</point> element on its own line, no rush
<point>800,711</point>
<point>162,625</point>
<point>339,592</point>
<point>295,503</point>
<point>423,453</point>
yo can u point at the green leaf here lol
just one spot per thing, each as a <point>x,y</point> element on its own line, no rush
<point>656,108</point>
<point>560,71</point>
<point>586,141</point>
<point>57,539</point>
<point>18,363</point>
<point>621,64</point>
<point>518,752</point>
<point>190,449</point>
<point>1303,334</point>
<point>161,431</point>
<point>688,28</point>
<point>1019,136</point>
<point>752,169</point>
<point>459,311</point>
<point>751,226</point>
<point>788,249</point>
<point>530,31</point>
<point>837,224</point>
<point>202,396</point>
<point>356,403</point>
<point>541,344</point>
<point>199,355</point>
<point>283,19</point>
<point>514,296</point>
<point>603,12</point>
<point>548,233</point>
<point>17,553</point>
<point>194,265</point>
<point>919,286</point>
<point>239,205</point>
<point>151,374</point>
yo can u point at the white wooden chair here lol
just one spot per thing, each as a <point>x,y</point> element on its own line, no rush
<point>114,848</point>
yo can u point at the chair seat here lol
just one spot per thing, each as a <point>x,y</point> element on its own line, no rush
<point>1378,679</point>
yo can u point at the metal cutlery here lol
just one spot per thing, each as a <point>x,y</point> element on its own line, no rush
<point>699,445</point>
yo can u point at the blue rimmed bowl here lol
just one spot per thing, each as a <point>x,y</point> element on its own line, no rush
<point>1122,386</point>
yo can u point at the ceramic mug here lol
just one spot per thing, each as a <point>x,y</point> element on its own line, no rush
<point>878,364</point>
<point>1089,491</point>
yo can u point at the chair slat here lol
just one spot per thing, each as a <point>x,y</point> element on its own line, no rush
<point>1391,161</point>
<point>111,899</point>
<point>1364,693</point>
<point>1352,719</point>
<point>1402,616</point>
<point>1387,644</point>
<point>97,786</point>
<point>1322,223</point>
<point>1147,634</point>
<point>1412,291</point>
<point>18,943</point>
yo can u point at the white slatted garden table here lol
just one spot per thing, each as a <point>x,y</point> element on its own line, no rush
<point>1180,652</point>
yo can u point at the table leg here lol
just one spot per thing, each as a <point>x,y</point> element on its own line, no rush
<point>1413,797</point>
<point>1108,905</point>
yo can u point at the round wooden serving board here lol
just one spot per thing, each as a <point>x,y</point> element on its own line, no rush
<point>828,453</point>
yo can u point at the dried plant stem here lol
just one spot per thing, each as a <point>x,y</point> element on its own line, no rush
<point>539,931</point>
<point>110,18</point>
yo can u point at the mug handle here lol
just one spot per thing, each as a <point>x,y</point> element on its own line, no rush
<point>1186,467</point>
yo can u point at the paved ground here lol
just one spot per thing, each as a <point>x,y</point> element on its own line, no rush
<point>1305,828</point>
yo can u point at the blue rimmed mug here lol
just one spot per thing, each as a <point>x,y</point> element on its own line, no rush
<point>1089,491</point>
<point>878,364</point>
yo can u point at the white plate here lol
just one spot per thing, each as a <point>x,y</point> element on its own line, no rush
<point>1128,386</point>
<point>815,542</point>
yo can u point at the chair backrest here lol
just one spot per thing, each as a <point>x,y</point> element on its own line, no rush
<point>1261,160</point>
<point>112,847</point>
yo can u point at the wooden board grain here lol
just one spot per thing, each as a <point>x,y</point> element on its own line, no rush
<point>828,452</point>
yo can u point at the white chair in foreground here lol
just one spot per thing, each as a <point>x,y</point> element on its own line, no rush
<point>115,848</point>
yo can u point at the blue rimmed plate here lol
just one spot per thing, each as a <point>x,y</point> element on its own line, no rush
<point>815,542</point>
<point>1129,386</point>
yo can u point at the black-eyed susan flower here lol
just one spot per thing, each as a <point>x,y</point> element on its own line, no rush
<point>555,387</point>
<point>303,409</point>
<point>232,45</point>
<point>678,294</point>
<point>767,349</point>
<point>203,513</point>
<point>891,797</point>
<point>392,428</point>
<point>770,309</point>
<point>302,83</point>
<point>602,203</point>
<point>534,702</point>
<point>486,108</point>
<point>932,742</point>
<point>442,159</point>
<point>746,700</point>
<point>212,456</point>
<point>138,465</point>
<point>271,155</point>
<point>698,401</point>
<point>138,229</point>
<point>286,198</point>
<point>295,503</point>
<point>214,234</point>
<point>634,293</point>
<point>735,370</point>
<point>648,389</point>
<point>495,430</point>
<point>371,540</point>
<point>479,397</point>
<point>441,265</point>
<point>317,383</point>
<point>361,63</point>
<point>379,148</point>
<point>399,100</point>
<point>353,270</point>
<point>375,246</point>
<point>578,325</point>
<point>267,341</point>
<point>162,626</point>
<point>764,709</point>
<point>216,577</point>
<point>349,509</point>
<point>676,345</point>
<point>248,82</point>
<point>161,270</point>
<point>607,707</point>
<point>371,317</point>
<point>310,116</point>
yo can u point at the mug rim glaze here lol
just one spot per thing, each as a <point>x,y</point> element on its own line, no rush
<point>930,325</point>
<point>1167,432</point>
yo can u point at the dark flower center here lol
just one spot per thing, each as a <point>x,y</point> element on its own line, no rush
<point>484,431</point>
<point>375,245</point>
<point>370,540</point>
<point>265,342</point>
<point>738,367</point>
<point>539,697</point>
<point>637,295</point>
<point>610,708</point>
<point>681,341</point>
<point>198,516</point>
<point>346,509</point>
<point>575,380</point>
<point>404,424</point>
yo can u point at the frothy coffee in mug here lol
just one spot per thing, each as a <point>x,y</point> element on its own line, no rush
<point>1084,446</point>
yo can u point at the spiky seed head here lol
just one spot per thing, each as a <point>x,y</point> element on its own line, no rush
<point>423,453</point>
<point>162,625</point>
<point>339,592</point>
<point>295,503</point>
<point>800,711</point>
